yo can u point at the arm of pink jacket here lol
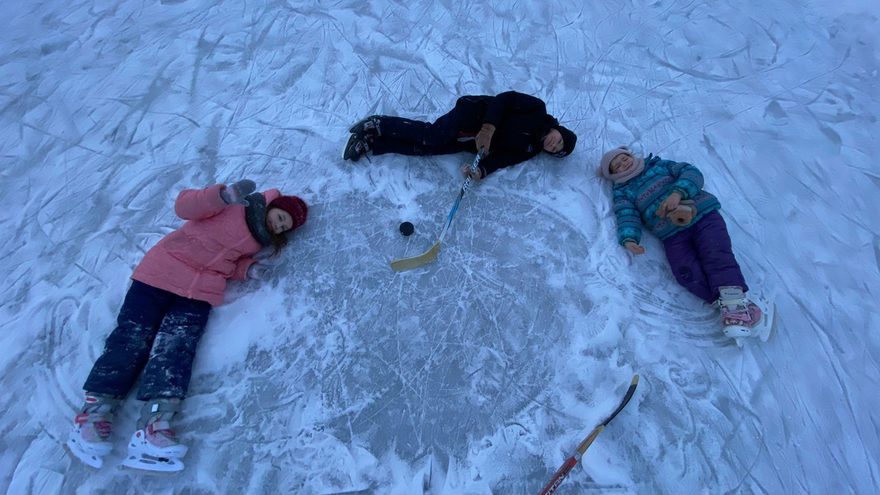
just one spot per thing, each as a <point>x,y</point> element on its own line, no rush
<point>198,204</point>
<point>241,267</point>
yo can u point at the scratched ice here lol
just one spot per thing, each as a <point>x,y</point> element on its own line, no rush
<point>481,372</point>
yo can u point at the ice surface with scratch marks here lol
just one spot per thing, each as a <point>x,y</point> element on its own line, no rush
<point>481,372</point>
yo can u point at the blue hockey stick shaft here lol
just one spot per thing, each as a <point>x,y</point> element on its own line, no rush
<point>464,189</point>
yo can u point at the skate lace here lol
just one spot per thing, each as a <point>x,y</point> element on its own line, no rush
<point>104,428</point>
<point>736,313</point>
<point>371,127</point>
<point>101,424</point>
<point>748,314</point>
<point>363,147</point>
<point>160,433</point>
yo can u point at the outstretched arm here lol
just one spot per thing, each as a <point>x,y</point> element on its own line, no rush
<point>198,204</point>
<point>629,222</point>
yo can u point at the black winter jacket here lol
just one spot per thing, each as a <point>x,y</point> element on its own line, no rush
<point>521,122</point>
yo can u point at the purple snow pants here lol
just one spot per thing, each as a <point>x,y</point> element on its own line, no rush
<point>701,258</point>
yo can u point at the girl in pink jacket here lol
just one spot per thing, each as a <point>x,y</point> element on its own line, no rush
<point>165,311</point>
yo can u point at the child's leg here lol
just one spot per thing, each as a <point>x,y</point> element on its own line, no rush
<point>713,245</point>
<point>402,129</point>
<point>413,137</point>
<point>163,386</point>
<point>685,264</point>
<point>385,145</point>
<point>169,367</point>
<point>128,346</point>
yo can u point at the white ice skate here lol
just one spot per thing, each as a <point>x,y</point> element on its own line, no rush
<point>743,318</point>
<point>86,444</point>
<point>89,440</point>
<point>764,328</point>
<point>155,449</point>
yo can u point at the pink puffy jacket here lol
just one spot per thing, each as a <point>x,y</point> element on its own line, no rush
<point>196,260</point>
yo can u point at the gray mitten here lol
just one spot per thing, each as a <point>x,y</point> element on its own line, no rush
<point>236,193</point>
<point>259,271</point>
<point>266,265</point>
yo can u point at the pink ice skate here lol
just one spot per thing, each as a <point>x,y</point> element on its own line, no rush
<point>741,317</point>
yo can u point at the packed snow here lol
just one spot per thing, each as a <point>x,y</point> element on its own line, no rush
<point>480,372</point>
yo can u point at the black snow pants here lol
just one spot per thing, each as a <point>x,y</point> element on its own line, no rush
<point>451,133</point>
<point>157,332</point>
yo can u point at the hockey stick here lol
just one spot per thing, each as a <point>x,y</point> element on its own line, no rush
<point>569,463</point>
<point>430,255</point>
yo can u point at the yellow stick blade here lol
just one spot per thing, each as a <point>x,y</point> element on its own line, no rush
<point>428,256</point>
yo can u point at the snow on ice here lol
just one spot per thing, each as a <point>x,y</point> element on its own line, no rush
<point>481,372</point>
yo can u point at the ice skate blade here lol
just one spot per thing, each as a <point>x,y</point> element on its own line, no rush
<point>153,465</point>
<point>737,331</point>
<point>174,452</point>
<point>87,458</point>
<point>768,321</point>
<point>345,150</point>
<point>139,446</point>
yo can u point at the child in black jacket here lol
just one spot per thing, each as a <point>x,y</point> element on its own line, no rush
<point>510,127</point>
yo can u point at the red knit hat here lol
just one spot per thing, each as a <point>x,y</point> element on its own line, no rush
<point>293,205</point>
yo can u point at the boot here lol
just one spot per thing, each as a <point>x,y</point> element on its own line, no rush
<point>89,440</point>
<point>154,446</point>
<point>368,128</point>
<point>739,316</point>
<point>355,148</point>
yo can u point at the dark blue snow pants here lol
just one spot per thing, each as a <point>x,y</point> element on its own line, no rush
<point>157,332</point>
<point>701,258</point>
<point>451,133</point>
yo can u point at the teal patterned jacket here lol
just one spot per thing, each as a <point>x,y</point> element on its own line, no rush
<point>636,200</point>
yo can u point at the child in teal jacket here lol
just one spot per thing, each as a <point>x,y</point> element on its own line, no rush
<point>668,198</point>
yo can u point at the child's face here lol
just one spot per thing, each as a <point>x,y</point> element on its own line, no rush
<point>279,221</point>
<point>553,142</point>
<point>621,163</point>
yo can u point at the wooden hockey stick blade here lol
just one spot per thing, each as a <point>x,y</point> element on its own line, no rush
<point>428,256</point>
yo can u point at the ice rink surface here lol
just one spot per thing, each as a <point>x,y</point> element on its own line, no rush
<point>481,372</point>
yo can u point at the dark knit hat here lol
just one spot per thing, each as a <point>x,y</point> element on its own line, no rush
<point>569,139</point>
<point>293,205</point>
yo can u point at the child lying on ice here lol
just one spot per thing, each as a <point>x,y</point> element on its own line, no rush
<point>667,198</point>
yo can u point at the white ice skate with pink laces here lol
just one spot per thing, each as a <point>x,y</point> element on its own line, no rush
<point>89,441</point>
<point>742,318</point>
<point>155,448</point>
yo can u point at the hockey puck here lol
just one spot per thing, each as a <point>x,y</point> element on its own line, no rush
<point>407,228</point>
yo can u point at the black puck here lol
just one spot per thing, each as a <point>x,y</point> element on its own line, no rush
<point>407,228</point>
